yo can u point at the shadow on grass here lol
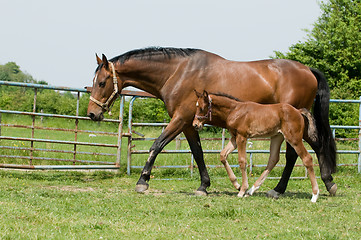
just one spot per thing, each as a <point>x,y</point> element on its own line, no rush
<point>58,176</point>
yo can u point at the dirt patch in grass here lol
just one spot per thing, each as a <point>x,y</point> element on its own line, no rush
<point>71,188</point>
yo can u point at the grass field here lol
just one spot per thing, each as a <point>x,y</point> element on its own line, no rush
<point>103,205</point>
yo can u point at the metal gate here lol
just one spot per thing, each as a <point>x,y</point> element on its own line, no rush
<point>28,145</point>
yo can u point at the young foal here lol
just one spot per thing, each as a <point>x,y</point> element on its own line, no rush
<point>247,120</point>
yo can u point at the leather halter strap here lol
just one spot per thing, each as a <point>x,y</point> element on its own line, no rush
<point>115,93</point>
<point>209,112</point>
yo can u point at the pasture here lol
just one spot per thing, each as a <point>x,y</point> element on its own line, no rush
<point>104,205</point>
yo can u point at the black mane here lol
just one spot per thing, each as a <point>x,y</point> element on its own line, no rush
<point>150,52</point>
<point>227,96</point>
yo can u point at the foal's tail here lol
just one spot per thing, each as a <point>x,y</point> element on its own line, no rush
<point>320,112</point>
<point>311,124</point>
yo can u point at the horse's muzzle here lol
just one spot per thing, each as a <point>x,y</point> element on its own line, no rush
<point>96,117</point>
<point>198,126</point>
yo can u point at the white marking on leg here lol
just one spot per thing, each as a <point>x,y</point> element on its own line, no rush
<point>252,190</point>
<point>150,156</point>
<point>315,196</point>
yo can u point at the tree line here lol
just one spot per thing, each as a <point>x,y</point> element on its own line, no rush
<point>332,46</point>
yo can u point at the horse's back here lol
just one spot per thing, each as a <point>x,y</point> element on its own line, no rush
<point>263,81</point>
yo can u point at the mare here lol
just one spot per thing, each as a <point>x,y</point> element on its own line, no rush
<point>171,74</point>
<point>248,120</point>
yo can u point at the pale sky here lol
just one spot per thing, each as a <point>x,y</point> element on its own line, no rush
<point>56,41</point>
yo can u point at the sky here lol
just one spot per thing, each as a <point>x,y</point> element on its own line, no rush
<point>56,41</point>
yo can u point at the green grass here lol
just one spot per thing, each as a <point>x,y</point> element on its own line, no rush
<point>103,205</point>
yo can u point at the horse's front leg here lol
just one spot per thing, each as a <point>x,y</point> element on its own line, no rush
<point>170,132</point>
<point>274,157</point>
<point>241,143</point>
<point>196,148</point>
<point>291,157</point>
<point>224,154</point>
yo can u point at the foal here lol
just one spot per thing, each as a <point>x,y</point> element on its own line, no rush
<point>247,120</point>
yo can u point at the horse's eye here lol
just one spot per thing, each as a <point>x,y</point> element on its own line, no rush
<point>101,84</point>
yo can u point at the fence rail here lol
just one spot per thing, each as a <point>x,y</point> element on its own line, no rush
<point>75,162</point>
<point>250,152</point>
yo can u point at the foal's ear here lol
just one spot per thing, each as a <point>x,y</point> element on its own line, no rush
<point>205,94</point>
<point>105,62</point>
<point>99,61</point>
<point>198,93</point>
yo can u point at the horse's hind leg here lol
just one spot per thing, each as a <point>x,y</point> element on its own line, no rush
<point>291,157</point>
<point>224,154</point>
<point>325,172</point>
<point>241,143</point>
<point>308,163</point>
<point>274,157</point>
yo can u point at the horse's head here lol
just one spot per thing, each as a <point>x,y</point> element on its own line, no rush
<point>203,111</point>
<point>104,90</point>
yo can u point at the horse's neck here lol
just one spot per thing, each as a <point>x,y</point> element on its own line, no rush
<point>222,106</point>
<point>146,75</point>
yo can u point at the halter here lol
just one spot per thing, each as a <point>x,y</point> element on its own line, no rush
<point>209,113</point>
<point>115,93</point>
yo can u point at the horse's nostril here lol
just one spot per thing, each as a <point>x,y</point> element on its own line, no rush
<point>91,115</point>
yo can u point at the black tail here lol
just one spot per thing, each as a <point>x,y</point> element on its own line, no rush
<point>320,112</point>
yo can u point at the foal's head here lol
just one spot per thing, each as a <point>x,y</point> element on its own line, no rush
<point>204,110</point>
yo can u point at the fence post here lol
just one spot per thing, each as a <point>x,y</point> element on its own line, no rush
<point>76,126</point>
<point>33,128</point>
<point>359,138</point>
<point>130,123</point>
<point>120,130</point>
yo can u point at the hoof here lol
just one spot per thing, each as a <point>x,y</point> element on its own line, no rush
<point>273,194</point>
<point>333,190</point>
<point>242,194</point>
<point>252,190</point>
<point>140,188</point>
<point>315,196</point>
<point>201,193</point>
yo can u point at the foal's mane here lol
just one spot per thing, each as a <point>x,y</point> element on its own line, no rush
<point>155,52</point>
<point>219,94</point>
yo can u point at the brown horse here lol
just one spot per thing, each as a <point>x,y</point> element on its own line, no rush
<point>248,120</point>
<point>171,74</point>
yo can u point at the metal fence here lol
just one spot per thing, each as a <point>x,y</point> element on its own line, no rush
<point>31,152</point>
<point>251,152</point>
<point>11,146</point>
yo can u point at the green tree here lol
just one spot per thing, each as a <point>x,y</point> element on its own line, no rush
<point>11,72</point>
<point>333,46</point>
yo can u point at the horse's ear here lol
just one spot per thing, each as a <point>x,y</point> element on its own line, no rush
<point>105,62</point>
<point>205,94</point>
<point>99,61</point>
<point>197,93</point>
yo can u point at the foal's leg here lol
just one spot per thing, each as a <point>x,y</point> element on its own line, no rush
<point>291,157</point>
<point>307,161</point>
<point>224,154</point>
<point>325,172</point>
<point>241,143</point>
<point>274,157</point>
